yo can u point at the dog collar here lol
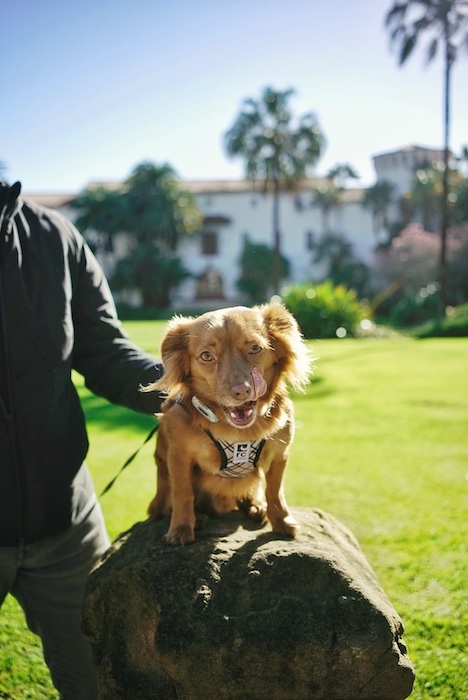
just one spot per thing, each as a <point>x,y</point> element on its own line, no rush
<point>205,411</point>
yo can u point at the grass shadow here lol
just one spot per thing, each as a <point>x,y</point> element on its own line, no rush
<point>100,412</point>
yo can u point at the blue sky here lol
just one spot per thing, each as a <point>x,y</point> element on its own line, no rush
<point>90,88</point>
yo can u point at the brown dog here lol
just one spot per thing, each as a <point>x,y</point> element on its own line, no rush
<point>227,421</point>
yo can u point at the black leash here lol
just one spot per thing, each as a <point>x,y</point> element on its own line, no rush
<point>131,458</point>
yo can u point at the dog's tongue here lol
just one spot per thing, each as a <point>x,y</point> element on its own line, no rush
<point>260,385</point>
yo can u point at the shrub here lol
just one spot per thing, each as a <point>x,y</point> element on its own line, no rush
<point>453,325</point>
<point>323,310</point>
<point>414,309</point>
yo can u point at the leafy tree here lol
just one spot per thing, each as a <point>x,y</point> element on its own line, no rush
<point>157,208</point>
<point>146,268</point>
<point>422,202</point>
<point>256,263</point>
<point>101,215</point>
<point>343,268</point>
<point>460,208</point>
<point>410,259</point>
<point>458,264</point>
<point>326,197</point>
<point>446,21</point>
<point>277,150</point>
<point>463,162</point>
<point>155,212</point>
<point>378,200</point>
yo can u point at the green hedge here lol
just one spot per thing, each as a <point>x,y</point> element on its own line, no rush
<point>324,310</point>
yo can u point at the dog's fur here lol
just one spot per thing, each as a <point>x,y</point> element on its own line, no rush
<point>213,358</point>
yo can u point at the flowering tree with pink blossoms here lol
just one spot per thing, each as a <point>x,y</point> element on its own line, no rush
<point>411,259</point>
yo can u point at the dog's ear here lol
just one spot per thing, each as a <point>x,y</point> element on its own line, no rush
<point>175,357</point>
<point>175,354</point>
<point>286,340</point>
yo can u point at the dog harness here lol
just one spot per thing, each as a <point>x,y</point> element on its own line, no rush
<point>238,458</point>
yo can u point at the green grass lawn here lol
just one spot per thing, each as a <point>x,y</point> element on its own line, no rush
<point>382,444</point>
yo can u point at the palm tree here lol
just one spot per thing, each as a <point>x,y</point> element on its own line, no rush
<point>155,213</point>
<point>447,22</point>
<point>276,152</point>
<point>341,173</point>
<point>158,210</point>
<point>100,213</point>
<point>326,197</point>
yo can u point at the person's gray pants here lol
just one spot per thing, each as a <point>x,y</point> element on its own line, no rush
<point>48,578</point>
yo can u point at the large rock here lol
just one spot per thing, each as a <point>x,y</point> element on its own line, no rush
<point>244,614</point>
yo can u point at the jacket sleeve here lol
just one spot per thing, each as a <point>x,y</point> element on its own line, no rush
<point>111,364</point>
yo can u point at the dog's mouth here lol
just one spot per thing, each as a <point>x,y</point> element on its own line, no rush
<point>243,415</point>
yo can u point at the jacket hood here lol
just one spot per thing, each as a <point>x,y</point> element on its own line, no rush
<point>9,205</point>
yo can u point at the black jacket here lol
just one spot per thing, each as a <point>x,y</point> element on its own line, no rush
<point>56,314</point>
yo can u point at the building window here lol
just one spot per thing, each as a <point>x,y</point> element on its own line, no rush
<point>209,243</point>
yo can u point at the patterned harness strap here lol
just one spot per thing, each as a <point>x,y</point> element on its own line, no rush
<point>238,458</point>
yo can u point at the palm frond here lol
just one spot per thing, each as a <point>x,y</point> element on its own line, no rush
<point>432,50</point>
<point>407,47</point>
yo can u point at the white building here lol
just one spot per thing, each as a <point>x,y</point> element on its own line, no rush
<point>398,167</point>
<point>236,210</point>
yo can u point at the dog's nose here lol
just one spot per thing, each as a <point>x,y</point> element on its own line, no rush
<point>241,392</point>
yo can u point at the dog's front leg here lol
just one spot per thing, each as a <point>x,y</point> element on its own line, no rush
<point>160,506</point>
<point>182,525</point>
<point>277,509</point>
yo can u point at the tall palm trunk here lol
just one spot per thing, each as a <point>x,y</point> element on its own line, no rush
<point>445,179</point>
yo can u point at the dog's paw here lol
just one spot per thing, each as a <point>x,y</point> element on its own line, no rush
<point>254,510</point>
<point>286,526</point>
<point>201,520</point>
<point>181,534</point>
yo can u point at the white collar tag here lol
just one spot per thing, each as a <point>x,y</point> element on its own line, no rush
<point>205,411</point>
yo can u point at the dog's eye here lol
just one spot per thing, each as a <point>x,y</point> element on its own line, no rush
<point>255,349</point>
<point>207,356</point>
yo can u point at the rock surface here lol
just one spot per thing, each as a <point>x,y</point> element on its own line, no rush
<point>244,614</point>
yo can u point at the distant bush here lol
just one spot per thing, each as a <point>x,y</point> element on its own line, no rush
<point>140,313</point>
<point>414,309</point>
<point>323,310</point>
<point>453,325</point>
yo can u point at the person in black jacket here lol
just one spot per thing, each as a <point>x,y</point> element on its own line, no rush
<point>56,315</point>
